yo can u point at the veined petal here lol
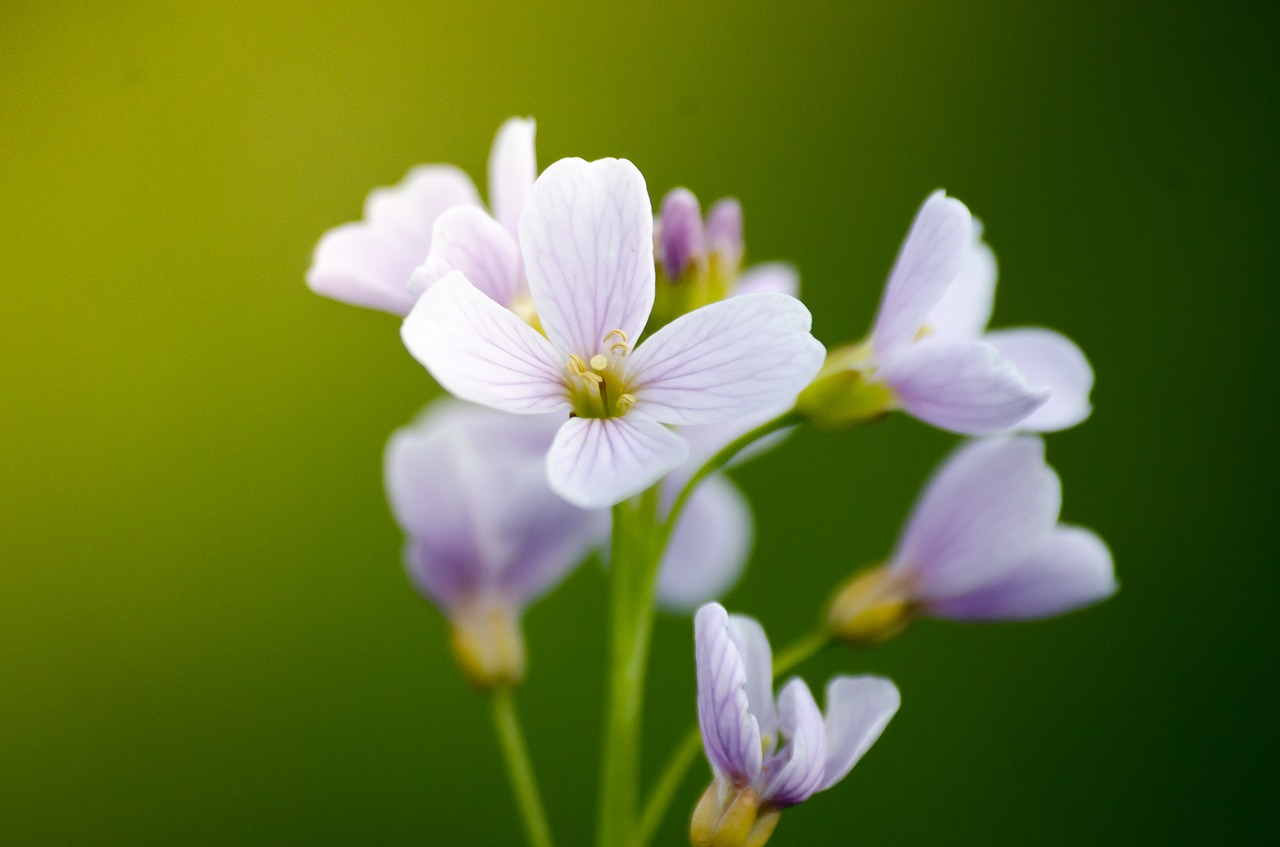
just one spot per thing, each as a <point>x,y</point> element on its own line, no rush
<point>726,360</point>
<point>858,710</point>
<point>960,386</point>
<point>992,504</point>
<point>757,659</point>
<point>932,255</point>
<point>769,277</point>
<point>480,351</point>
<point>730,735</point>
<point>468,240</point>
<point>598,462</point>
<point>1046,358</point>
<point>709,547</point>
<point>587,240</point>
<point>513,167</point>
<point>412,206</point>
<point>797,771</point>
<point>368,267</point>
<point>1072,569</point>
<point>965,307</point>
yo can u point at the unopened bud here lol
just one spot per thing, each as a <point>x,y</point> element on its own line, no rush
<point>872,607</point>
<point>726,817</point>
<point>844,394</point>
<point>487,644</point>
<point>681,239</point>
<point>724,234</point>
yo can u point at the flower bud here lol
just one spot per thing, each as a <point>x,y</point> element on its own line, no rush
<point>874,606</point>
<point>487,644</point>
<point>724,235</point>
<point>681,239</point>
<point>843,395</point>
<point>725,817</point>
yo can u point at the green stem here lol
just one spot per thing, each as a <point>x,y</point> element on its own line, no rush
<point>520,769</point>
<point>800,651</point>
<point>664,789</point>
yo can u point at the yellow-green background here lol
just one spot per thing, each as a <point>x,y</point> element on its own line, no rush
<point>205,634</point>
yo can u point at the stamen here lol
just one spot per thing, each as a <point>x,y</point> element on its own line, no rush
<point>622,346</point>
<point>576,366</point>
<point>625,401</point>
<point>622,336</point>
<point>619,349</point>
<point>599,362</point>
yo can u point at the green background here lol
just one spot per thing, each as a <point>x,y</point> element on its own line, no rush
<point>205,633</point>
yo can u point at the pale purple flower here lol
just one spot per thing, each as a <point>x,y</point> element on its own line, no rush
<point>369,263</point>
<point>485,535</point>
<point>784,751</point>
<point>983,543</point>
<point>681,237</point>
<point>586,236</point>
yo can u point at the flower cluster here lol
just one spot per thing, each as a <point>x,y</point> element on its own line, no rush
<point>606,365</point>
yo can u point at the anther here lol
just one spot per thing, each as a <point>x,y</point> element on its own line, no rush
<point>625,401</point>
<point>619,349</point>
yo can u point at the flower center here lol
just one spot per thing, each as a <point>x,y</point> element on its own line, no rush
<point>597,388</point>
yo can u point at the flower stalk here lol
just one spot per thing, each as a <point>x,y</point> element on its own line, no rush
<point>520,769</point>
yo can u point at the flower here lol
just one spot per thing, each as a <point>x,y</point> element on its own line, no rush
<point>927,355</point>
<point>983,543</point>
<point>486,536</point>
<point>587,242</point>
<point>369,263</point>
<point>768,756</point>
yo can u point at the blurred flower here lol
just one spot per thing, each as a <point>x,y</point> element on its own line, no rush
<point>486,536</point>
<point>983,543</point>
<point>586,236</point>
<point>769,756</point>
<point>370,262</point>
<point>927,355</point>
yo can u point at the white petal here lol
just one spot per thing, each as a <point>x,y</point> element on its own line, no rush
<point>468,240</point>
<point>965,307</point>
<point>512,170</point>
<point>481,352</point>
<point>858,710</point>
<point>730,734</point>
<point>709,547</point>
<point>726,360</point>
<point>961,386</point>
<point>1046,358</point>
<point>1073,568</point>
<point>363,266</point>
<point>930,258</point>
<point>598,462</point>
<point>757,660</point>
<point>774,277</point>
<point>796,772</point>
<point>989,506</point>
<point>587,239</point>
<point>413,205</point>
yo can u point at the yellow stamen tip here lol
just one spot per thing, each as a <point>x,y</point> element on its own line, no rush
<point>599,362</point>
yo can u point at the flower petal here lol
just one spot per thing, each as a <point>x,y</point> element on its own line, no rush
<point>930,258</point>
<point>466,239</point>
<point>680,235</point>
<point>709,547</point>
<point>1072,569</point>
<point>412,206</point>
<point>367,267</point>
<point>481,352</point>
<point>1046,358</point>
<point>726,360</point>
<point>757,659</point>
<point>587,239</point>
<point>858,710</point>
<point>775,277</point>
<point>797,771</point>
<point>730,735</point>
<point>990,506</point>
<point>513,167</point>
<point>965,307</point>
<point>961,386</point>
<point>724,230</point>
<point>598,462</point>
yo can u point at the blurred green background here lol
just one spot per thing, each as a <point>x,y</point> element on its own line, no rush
<point>205,633</point>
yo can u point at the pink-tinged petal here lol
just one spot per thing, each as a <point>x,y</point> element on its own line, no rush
<point>368,267</point>
<point>960,386</point>
<point>681,238</point>
<point>990,506</point>
<point>796,772</point>
<point>466,239</point>
<point>724,230</point>
<point>858,710</point>
<point>481,352</point>
<point>513,167</point>
<point>726,360</point>
<point>930,258</point>
<point>599,462</point>
<point>730,735</point>
<point>547,535</point>
<point>965,307</point>
<point>1046,358</point>
<point>708,549</point>
<point>770,277</point>
<point>412,206</point>
<point>1072,569</point>
<point>587,240</point>
<point>757,659</point>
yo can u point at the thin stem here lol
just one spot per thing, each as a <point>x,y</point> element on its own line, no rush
<point>665,788</point>
<point>800,651</point>
<point>520,769</point>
